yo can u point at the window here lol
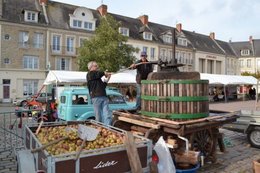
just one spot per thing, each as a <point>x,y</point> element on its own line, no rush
<point>23,39</point>
<point>79,99</point>
<point>70,44</point>
<point>163,54</point>
<point>116,99</point>
<point>62,64</point>
<point>258,64</point>
<point>210,66</point>
<point>167,39</point>
<point>245,52</point>
<point>30,87</point>
<point>77,23</point>
<point>88,26</point>
<point>38,40</point>
<point>182,42</point>
<point>81,41</point>
<point>31,16</point>
<point>56,43</point>
<point>170,56</point>
<point>30,62</point>
<point>152,53</point>
<point>147,36</point>
<point>241,62</point>
<point>6,61</point>
<point>7,37</point>
<point>63,99</point>
<point>124,31</point>
<point>145,49</point>
<point>248,63</point>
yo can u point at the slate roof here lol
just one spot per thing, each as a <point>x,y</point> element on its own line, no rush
<point>256,43</point>
<point>13,11</point>
<point>238,46</point>
<point>227,48</point>
<point>202,42</point>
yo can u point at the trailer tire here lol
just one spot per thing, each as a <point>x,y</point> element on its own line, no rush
<point>253,137</point>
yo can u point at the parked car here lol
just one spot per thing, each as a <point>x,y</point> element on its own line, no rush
<point>42,98</point>
<point>75,104</point>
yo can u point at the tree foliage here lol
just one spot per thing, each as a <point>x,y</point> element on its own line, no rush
<point>108,47</point>
<point>256,75</point>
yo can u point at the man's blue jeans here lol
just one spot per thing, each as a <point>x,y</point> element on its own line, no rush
<point>101,110</point>
<point>138,96</point>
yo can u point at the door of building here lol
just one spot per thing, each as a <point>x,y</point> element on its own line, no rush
<point>6,90</point>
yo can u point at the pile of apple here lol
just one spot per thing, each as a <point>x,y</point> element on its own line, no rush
<point>105,138</point>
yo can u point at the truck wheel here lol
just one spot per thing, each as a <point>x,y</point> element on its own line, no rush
<point>254,138</point>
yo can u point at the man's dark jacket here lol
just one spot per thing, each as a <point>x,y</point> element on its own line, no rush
<point>95,85</point>
<point>142,71</point>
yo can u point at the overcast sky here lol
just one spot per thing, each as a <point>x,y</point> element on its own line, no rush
<point>232,20</point>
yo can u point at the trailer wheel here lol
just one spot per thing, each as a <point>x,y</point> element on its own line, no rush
<point>253,137</point>
<point>203,141</point>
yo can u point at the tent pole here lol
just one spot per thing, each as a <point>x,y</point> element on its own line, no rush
<point>256,97</point>
<point>225,94</point>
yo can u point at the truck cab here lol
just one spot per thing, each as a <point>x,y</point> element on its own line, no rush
<point>75,103</point>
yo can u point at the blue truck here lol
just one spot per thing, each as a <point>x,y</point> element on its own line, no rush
<point>75,103</point>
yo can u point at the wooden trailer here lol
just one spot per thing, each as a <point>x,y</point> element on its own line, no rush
<point>202,134</point>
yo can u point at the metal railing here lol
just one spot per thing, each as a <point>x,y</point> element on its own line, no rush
<point>11,128</point>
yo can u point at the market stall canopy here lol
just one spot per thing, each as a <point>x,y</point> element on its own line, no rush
<point>63,77</point>
<point>228,79</point>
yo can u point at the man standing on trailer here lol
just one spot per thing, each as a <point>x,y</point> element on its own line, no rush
<point>143,69</point>
<point>97,91</point>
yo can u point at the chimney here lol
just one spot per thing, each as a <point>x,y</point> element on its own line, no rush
<point>43,2</point>
<point>144,19</point>
<point>102,10</point>
<point>179,27</point>
<point>212,35</point>
<point>251,39</point>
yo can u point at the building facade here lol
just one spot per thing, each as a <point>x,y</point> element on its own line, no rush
<point>41,35</point>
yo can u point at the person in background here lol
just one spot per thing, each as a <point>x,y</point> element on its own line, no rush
<point>143,69</point>
<point>97,91</point>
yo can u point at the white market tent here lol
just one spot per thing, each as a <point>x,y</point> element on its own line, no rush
<point>128,76</point>
<point>63,77</point>
<point>229,79</point>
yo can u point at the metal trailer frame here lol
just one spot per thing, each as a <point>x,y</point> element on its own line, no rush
<point>51,162</point>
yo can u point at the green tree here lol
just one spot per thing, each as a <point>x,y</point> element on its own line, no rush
<point>108,47</point>
<point>256,75</point>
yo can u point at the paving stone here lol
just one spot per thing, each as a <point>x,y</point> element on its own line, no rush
<point>4,170</point>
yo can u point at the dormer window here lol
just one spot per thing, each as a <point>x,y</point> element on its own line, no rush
<point>182,42</point>
<point>245,52</point>
<point>167,39</point>
<point>88,25</point>
<point>124,31</point>
<point>82,18</point>
<point>31,16</point>
<point>77,23</point>
<point>147,36</point>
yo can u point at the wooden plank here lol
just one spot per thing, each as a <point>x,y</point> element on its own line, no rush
<point>25,161</point>
<point>132,153</point>
<point>138,122</point>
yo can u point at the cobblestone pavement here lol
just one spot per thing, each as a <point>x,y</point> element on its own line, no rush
<point>237,158</point>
